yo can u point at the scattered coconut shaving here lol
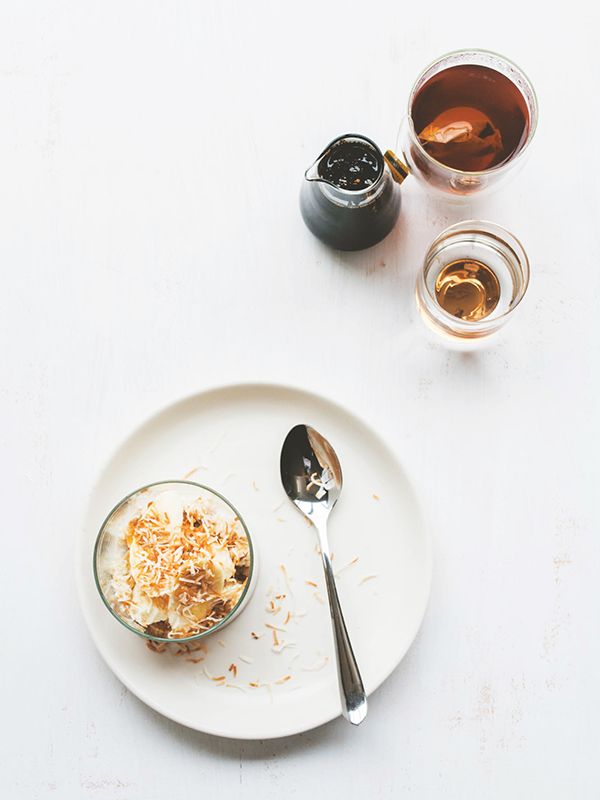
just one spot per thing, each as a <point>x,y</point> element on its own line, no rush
<point>283,680</point>
<point>274,627</point>
<point>319,598</point>
<point>349,564</point>
<point>268,685</point>
<point>317,666</point>
<point>222,643</point>
<point>310,583</point>
<point>246,659</point>
<point>376,496</point>
<point>277,648</point>
<point>235,686</point>
<point>218,442</point>
<point>368,577</point>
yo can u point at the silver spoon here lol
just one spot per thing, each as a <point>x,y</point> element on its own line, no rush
<point>312,479</point>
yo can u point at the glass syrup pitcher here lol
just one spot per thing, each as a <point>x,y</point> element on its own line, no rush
<point>350,198</point>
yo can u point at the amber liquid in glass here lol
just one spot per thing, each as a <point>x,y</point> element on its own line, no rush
<point>467,289</point>
<point>470,118</point>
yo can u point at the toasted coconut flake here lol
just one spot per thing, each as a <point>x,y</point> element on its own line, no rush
<point>218,442</point>
<point>194,660</point>
<point>275,639</point>
<point>283,680</point>
<point>376,496</point>
<point>232,668</point>
<point>287,619</point>
<point>191,472</point>
<point>257,635</point>
<point>274,627</point>
<point>222,643</point>
<point>310,583</point>
<point>277,648</point>
<point>319,598</point>
<point>287,581</point>
<point>255,486</point>
<point>156,647</point>
<point>281,519</point>
<point>268,685</point>
<point>317,666</point>
<point>345,566</point>
<point>254,685</point>
<point>235,686</point>
<point>368,577</point>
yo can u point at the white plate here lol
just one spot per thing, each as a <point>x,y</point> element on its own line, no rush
<point>232,436</point>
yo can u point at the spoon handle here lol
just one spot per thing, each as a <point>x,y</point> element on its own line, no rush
<point>354,699</point>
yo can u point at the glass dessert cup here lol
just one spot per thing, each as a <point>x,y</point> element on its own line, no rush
<point>113,561</point>
<point>462,183</point>
<point>473,277</point>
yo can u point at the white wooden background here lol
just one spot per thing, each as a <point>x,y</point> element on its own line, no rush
<point>150,160</point>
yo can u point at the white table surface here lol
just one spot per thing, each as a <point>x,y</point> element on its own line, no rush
<point>150,159</point>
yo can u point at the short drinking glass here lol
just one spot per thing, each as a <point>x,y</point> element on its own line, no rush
<point>473,277</point>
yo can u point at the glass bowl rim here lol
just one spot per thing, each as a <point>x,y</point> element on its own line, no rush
<point>195,636</point>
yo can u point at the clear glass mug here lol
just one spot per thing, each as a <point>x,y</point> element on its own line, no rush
<point>458,182</point>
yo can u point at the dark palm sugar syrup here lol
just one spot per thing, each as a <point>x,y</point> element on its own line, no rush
<point>353,204</point>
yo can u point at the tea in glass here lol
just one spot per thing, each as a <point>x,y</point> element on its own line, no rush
<point>473,277</point>
<point>471,116</point>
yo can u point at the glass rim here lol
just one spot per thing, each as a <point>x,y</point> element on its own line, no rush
<point>481,173</point>
<point>494,231</point>
<point>180,639</point>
